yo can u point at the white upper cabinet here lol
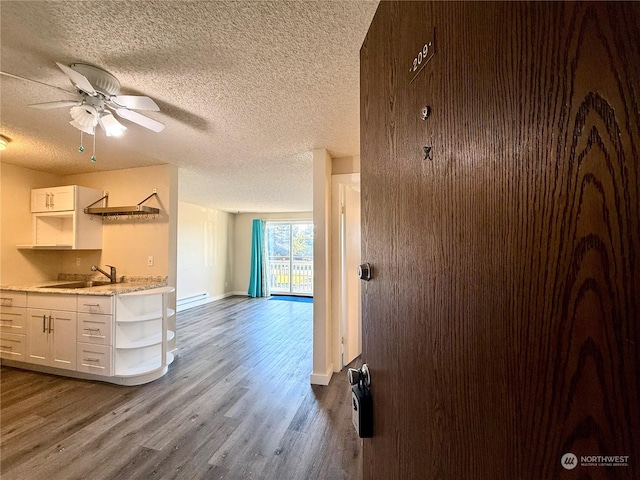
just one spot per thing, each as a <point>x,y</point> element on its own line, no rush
<point>53,199</point>
<point>59,222</point>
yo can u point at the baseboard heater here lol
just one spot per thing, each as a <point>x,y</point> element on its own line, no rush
<point>193,298</point>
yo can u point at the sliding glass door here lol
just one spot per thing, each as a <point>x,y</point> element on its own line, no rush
<point>289,247</point>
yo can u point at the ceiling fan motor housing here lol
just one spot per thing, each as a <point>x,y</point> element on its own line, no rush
<point>102,81</point>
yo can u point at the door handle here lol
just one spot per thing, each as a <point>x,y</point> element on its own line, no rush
<point>360,375</point>
<point>44,327</point>
<point>50,323</point>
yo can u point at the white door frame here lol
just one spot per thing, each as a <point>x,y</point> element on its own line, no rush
<point>339,310</point>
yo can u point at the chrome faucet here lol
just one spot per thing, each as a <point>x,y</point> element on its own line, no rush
<point>111,276</point>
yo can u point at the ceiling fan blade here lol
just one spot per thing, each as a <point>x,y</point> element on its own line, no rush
<point>135,102</point>
<point>140,119</point>
<point>77,79</point>
<point>18,77</point>
<point>58,104</point>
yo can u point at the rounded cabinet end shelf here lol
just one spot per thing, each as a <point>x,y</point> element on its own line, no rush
<point>141,333</point>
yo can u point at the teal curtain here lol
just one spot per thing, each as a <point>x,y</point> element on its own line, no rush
<point>258,286</point>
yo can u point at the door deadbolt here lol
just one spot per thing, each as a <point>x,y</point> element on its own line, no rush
<point>365,271</point>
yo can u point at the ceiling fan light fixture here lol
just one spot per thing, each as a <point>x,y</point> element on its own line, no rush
<point>85,118</point>
<point>111,126</point>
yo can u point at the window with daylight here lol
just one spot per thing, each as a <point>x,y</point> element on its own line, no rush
<point>289,248</point>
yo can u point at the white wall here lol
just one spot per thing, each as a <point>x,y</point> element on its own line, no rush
<point>242,241</point>
<point>322,364</point>
<point>205,253</point>
<point>127,244</point>
<point>20,267</point>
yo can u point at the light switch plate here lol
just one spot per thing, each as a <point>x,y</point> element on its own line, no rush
<point>150,261</point>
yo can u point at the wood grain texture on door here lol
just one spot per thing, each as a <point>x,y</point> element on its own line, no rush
<point>501,326</point>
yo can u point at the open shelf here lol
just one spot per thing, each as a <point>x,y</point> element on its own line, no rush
<point>141,368</point>
<point>149,366</point>
<point>157,315</point>
<point>144,342</point>
<point>141,333</point>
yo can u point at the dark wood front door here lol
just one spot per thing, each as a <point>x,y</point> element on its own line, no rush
<point>501,325</point>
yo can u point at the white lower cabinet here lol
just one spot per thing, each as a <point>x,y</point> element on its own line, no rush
<point>94,359</point>
<point>13,325</point>
<point>116,338</point>
<point>13,346</point>
<point>52,338</point>
<point>95,328</point>
<point>95,349</point>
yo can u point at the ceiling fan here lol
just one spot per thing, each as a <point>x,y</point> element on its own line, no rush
<point>97,97</point>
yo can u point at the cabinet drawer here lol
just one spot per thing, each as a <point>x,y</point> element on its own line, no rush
<point>13,319</point>
<point>95,359</point>
<point>12,299</point>
<point>95,304</point>
<point>94,328</point>
<point>13,346</point>
<point>51,301</point>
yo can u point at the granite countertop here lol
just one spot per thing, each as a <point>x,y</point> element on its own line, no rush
<point>125,284</point>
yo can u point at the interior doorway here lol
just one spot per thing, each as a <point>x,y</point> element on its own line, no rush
<point>347,316</point>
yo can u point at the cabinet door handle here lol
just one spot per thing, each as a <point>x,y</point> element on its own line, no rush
<point>52,198</point>
<point>91,359</point>
<point>44,328</point>
<point>9,300</point>
<point>6,347</point>
<point>6,319</point>
<point>50,324</point>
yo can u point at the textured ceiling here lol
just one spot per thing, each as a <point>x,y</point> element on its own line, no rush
<point>246,89</point>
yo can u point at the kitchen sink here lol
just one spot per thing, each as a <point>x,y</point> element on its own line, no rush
<point>89,284</point>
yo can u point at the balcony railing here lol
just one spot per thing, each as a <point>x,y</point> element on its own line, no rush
<point>290,277</point>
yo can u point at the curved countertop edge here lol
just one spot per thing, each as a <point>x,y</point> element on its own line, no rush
<point>103,290</point>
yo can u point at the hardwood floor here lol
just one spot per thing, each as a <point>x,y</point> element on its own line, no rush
<point>236,404</point>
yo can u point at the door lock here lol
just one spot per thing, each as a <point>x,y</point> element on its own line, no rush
<point>365,271</point>
<point>361,404</point>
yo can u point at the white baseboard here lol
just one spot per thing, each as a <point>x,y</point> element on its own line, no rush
<point>321,378</point>
<point>204,301</point>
